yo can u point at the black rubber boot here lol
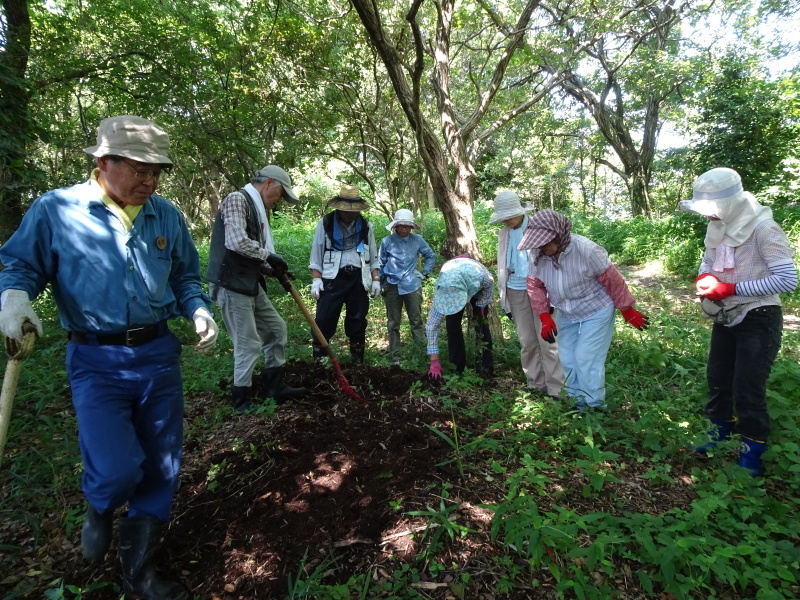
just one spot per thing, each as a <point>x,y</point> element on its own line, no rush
<point>318,353</point>
<point>275,387</point>
<point>357,354</point>
<point>139,540</point>
<point>96,534</point>
<point>240,394</point>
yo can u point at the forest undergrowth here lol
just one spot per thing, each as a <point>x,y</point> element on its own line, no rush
<point>472,489</point>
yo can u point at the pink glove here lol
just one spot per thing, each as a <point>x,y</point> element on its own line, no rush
<point>635,318</point>
<point>435,372</point>
<point>549,329</point>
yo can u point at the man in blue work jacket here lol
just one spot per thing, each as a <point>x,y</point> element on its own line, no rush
<point>121,263</point>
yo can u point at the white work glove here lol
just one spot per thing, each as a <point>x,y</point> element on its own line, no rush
<point>317,288</point>
<point>16,309</point>
<point>376,289</point>
<point>206,328</point>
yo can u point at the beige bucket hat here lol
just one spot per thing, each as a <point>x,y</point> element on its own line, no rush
<point>131,137</point>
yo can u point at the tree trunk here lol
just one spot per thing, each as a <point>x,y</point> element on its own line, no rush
<point>638,184</point>
<point>15,127</point>
<point>450,165</point>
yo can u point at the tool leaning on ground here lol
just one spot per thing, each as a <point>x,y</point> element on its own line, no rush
<point>16,354</point>
<point>340,378</point>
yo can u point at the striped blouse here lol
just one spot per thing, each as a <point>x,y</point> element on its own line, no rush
<point>573,288</point>
<point>763,268</point>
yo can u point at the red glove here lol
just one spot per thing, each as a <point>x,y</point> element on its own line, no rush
<point>435,372</point>
<point>635,318</point>
<point>549,329</point>
<point>704,283</point>
<point>712,288</point>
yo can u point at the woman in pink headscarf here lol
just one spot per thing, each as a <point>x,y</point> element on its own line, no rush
<point>576,276</point>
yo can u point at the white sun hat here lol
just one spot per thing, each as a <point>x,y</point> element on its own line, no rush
<point>507,205</point>
<point>719,194</point>
<point>403,217</point>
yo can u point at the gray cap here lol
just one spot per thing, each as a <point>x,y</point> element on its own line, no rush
<point>131,137</point>
<point>282,177</point>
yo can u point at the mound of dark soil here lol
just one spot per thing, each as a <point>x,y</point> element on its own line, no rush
<point>263,496</point>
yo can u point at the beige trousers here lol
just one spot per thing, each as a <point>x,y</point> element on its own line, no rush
<point>539,358</point>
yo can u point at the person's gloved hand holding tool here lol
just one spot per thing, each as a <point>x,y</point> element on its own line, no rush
<point>15,310</point>
<point>277,263</point>
<point>708,286</point>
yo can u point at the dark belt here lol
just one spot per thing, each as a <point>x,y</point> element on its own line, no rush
<point>130,338</point>
<point>349,268</point>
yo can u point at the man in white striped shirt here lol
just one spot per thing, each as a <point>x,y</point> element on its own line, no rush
<point>748,261</point>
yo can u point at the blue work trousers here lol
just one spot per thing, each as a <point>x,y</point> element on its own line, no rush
<point>582,349</point>
<point>129,404</point>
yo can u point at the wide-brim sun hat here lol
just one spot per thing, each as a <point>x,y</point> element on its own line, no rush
<point>449,300</point>
<point>403,217</point>
<point>507,205</point>
<point>713,192</point>
<point>131,137</point>
<point>349,199</point>
<point>282,177</point>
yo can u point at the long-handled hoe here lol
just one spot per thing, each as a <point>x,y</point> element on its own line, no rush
<point>16,354</point>
<point>340,378</point>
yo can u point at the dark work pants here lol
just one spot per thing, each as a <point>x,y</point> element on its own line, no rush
<point>345,290</point>
<point>455,341</point>
<point>739,363</point>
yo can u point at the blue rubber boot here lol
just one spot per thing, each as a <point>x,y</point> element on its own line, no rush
<point>750,456</point>
<point>719,432</point>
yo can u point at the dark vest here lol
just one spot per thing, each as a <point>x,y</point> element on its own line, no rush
<point>327,226</point>
<point>229,269</point>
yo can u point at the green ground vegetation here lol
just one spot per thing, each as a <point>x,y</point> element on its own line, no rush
<point>738,535</point>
